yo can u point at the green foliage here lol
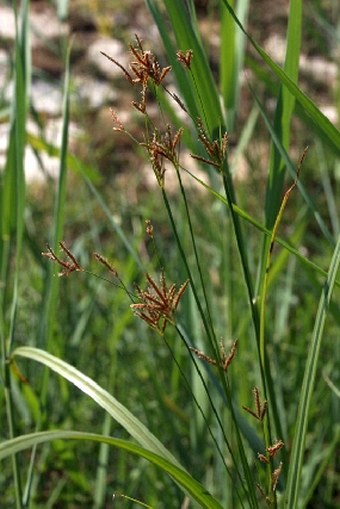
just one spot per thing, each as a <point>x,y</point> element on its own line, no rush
<point>218,422</point>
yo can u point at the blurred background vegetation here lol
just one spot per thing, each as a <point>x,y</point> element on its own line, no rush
<point>98,198</point>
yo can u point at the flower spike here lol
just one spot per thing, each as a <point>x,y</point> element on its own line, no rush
<point>158,303</point>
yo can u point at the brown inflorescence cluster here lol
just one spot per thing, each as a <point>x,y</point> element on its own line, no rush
<point>158,303</point>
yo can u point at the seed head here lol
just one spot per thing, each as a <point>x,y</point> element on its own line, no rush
<point>158,303</point>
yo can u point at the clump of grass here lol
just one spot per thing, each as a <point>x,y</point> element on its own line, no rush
<point>242,407</point>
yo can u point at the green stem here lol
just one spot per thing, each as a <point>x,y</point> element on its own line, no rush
<point>213,407</point>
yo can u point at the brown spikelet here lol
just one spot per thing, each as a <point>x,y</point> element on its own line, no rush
<point>149,228</point>
<point>67,266</point>
<point>205,160</point>
<point>118,126</point>
<point>126,73</point>
<point>158,303</point>
<point>228,359</point>
<point>225,361</point>
<point>143,67</point>
<point>161,147</point>
<point>203,356</point>
<point>276,475</point>
<point>257,401</point>
<point>216,149</point>
<point>262,458</point>
<point>146,64</point>
<point>274,449</point>
<point>185,57</point>
<point>261,408</point>
<point>106,263</point>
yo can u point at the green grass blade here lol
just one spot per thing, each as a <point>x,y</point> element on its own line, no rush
<point>260,227</point>
<point>231,60</point>
<point>291,66</point>
<point>202,86</point>
<point>61,194</point>
<point>47,323</point>
<point>292,171</point>
<point>12,220</point>
<point>330,190</point>
<point>329,454</point>
<point>283,114</point>
<point>48,320</point>
<point>105,400</point>
<point>298,448</point>
<point>14,179</point>
<point>182,478</point>
<point>228,64</point>
<point>101,474</point>
<point>182,77</point>
<point>321,123</point>
<point>13,191</point>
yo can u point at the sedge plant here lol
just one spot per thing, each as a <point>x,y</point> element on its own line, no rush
<point>239,392</point>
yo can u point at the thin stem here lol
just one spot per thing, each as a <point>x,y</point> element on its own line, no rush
<point>213,407</point>
<point>214,343</point>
